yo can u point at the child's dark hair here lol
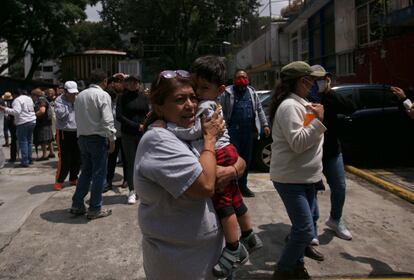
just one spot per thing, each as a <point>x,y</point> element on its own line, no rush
<point>210,68</point>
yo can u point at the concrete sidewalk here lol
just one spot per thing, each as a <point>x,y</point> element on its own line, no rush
<point>50,244</point>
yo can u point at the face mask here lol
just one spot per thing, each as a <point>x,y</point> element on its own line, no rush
<point>314,95</point>
<point>321,85</point>
<point>241,82</point>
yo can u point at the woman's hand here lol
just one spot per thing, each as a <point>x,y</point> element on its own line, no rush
<point>317,109</point>
<point>226,174</point>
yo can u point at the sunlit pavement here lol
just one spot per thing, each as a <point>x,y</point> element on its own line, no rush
<point>40,240</point>
<point>399,181</point>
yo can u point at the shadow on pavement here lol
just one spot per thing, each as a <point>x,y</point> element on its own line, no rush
<point>41,189</point>
<point>379,268</point>
<point>326,237</point>
<point>52,164</point>
<point>114,199</point>
<point>63,216</point>
<point>263,261</point>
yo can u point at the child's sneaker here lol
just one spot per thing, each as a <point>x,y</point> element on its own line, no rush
<point>252,242</point>
<point>229,260</point>
<point>57,186</point>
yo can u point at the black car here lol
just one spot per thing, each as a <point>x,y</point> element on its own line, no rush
<point>262,148</point>
<point>378,133</point>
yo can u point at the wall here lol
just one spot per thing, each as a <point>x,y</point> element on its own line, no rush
<point>390,64</point>
<point>345,29</point>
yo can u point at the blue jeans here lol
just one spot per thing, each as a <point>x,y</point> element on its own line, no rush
<point>334,171</point>
<point>94,156</point>
<point>24,134</point>
<point>242,138</point>
<point>299,201</point>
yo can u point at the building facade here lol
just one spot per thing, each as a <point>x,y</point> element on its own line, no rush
<point>78,66</point>
<point>359,41</point>
<point>263,57</point>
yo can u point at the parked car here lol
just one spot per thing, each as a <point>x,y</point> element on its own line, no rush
<point>378,132</point>
<point>262,148</point>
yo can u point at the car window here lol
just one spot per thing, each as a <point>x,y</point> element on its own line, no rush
<point>346,92</point>
<point>370,98</point>
<point>390,99</point>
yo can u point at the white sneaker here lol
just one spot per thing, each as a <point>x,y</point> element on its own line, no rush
<point>132,197</point>
<point>339,228</point>
<point>315,242</point>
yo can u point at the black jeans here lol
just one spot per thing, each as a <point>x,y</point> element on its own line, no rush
<point>130,145</point>
<point>112,157</point>
<point>69,155</point>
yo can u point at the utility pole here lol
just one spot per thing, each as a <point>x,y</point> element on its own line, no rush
<point>270,10</point>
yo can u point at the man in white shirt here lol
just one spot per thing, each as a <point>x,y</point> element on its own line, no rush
<point>96,137</point>
<point>25,120</point>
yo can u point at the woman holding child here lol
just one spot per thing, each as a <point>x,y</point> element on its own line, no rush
<point>181,233</point>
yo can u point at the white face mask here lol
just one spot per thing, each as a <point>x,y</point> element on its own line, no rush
<point>321,85</point>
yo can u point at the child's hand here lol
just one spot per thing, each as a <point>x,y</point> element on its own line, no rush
<point>159,123</point>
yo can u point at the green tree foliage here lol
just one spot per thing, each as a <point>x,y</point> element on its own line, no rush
<point>177,31</point>
<point>94,35</point>
<point>44,25</point>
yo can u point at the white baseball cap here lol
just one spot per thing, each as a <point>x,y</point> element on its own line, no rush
<point>71,87</point>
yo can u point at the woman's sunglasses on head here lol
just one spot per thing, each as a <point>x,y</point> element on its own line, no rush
<point>170,74</point>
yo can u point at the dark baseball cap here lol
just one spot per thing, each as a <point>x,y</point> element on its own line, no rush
<point>133,78</point>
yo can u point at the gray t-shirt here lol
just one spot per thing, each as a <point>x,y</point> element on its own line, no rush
<point>181,235</point>
<point>195,134</point>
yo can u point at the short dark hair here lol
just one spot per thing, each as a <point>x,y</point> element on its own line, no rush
<point>97,76</point>
<point>210,68</point>
<point>239,70</point>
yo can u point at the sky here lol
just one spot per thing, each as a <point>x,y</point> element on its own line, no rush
<point>92,11</point>
<point>277,5</point>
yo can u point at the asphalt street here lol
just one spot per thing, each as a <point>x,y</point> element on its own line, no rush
<point>40,240</point>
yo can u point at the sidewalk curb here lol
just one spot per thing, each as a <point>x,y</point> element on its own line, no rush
<point>397,190</point>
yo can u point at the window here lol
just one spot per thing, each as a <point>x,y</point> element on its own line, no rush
<point>399,4</point>
<point>370,98</point>
<point>295,46</point>
<point>368,24</point>
<point>390,99</point>
<point>322,38</point>
<point>362,25</point>
<point>345,64</point>
<point>47,68</point>
<point>347,93</point>
<point>305,43</point>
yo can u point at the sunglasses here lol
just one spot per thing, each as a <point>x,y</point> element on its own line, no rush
<point>170,74</point>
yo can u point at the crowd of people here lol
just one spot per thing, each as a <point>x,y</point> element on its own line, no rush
<point>185,147</point>
<point>48,116</point>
